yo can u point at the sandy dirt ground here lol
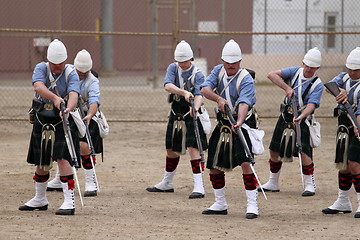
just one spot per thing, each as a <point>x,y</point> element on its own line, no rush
<point>133,160</point>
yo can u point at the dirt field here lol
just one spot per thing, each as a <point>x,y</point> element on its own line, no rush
<point>133,160</point>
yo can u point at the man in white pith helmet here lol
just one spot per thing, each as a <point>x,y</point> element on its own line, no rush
<point>347,157</point>
<point>90,100</point>
<point>235,87</point>
<point>182,82</point>
<point>306,86</point>
<point>55,83</point>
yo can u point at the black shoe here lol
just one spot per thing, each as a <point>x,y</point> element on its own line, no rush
<point>357,215</point>
<point>50,189</point>
<point>308,194</point>
<point>334,211</point>
<point>155,189</point>
<point>267,190</point>
<point>196,195</point>
<point>251,215</point>
<point>65,211</point>
<point>215,212</point>
<point>90,193</point>
<point>27,208</point>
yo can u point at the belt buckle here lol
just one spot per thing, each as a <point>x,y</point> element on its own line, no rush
<point>224,116</point>
<point>179,117</point>
<point>177,98</point>
<point>289,110</point>
<point>48,106</point>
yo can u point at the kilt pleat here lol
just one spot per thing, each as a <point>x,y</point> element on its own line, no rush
<point>305,137</point>
<point>238,152</point>
<point>181,108</point>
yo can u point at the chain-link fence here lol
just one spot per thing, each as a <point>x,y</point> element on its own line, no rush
<point>132,43</point>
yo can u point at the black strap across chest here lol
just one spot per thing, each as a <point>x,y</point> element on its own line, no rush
<point>307,89</point>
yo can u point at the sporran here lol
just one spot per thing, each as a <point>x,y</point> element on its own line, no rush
<point>287,144</point>
<point>47,146</point>
<point>341,152</point>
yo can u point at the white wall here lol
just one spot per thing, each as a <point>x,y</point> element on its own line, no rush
<point>289,16</point>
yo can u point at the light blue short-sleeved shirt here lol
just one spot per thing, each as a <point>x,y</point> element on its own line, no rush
<point>353,85</point>
<point>172,76</point>
<point>64,87</point>
<point>246,93</point>
<point>312,97</point>
<point>91,83</point>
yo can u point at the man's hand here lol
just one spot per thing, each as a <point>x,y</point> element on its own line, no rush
<point>221,102</point>
<point>289,92</point>
<point>57,101</point>
<point>298,119</point>
<point>66,111</point>
<point>342,97</point>
<point>188,95</point>
<point>237,125</point>
<point>87,118</point>
<point>356,131</point>
<point>196,111</point>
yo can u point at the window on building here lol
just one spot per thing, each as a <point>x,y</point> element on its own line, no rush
<point>208,26</point>
<point>330,27</point>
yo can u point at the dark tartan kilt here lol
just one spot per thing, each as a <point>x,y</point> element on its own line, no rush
<point>238,152</point>
<point>182,107</point>
<point>95,137</point>
<point>305,137</point>
<point>60,150</point>
<point>354,143</point>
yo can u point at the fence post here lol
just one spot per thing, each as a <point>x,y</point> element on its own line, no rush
<point>176,24</point>
<point>106,40</point>
<point>154,49</point>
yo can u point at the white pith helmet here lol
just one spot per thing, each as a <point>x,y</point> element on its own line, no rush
<point>183,52</point>
<point>312,58</point>
<point>83,61</point>
<point>353,60</point>
<point>231,52</point>
<point>56,52</point>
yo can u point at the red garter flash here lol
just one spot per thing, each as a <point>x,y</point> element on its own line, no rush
<point>71,184</point>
